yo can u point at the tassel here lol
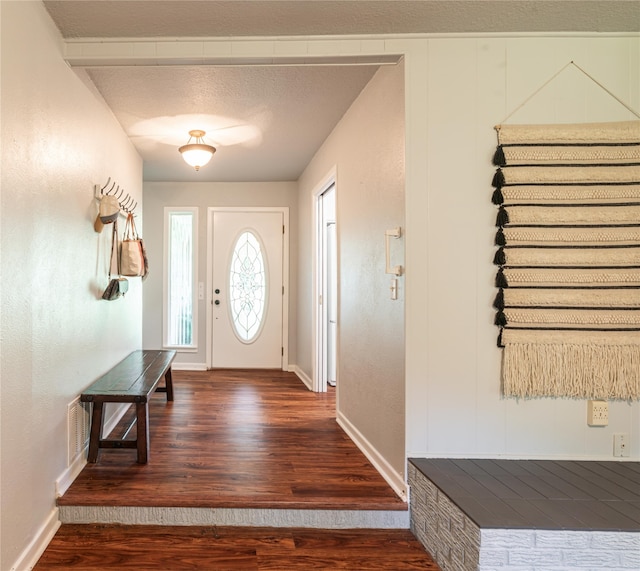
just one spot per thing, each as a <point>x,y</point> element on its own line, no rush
<point>498,302</point>
<point>501,319</point>
<point>500,344</point>
<point>501,281</point>
<point>497,197</point>
<point>500,239</point>
<point>571,370</point>
<point>500,259</point>
<point>498,179</point>
<point>503,217</point>
<point>499,158</point>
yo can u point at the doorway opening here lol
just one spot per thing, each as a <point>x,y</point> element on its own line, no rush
<point>327,287</point>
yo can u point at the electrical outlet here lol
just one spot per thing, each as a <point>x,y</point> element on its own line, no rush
<point>597,413</point>
<point>621,444</point>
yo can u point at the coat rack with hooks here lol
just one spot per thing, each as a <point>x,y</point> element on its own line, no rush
<point>127,203</point>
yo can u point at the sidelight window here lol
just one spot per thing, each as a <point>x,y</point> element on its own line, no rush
<point>180,278</point>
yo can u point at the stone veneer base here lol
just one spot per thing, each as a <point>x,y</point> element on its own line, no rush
<point>325,519</point>
<point>458,544</point>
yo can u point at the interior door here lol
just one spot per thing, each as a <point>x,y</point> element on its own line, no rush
<point>331,302</point>
<point>329,295</point>
<point>247,282</point>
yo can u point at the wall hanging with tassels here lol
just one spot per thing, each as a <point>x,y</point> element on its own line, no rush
<point>568,251</point>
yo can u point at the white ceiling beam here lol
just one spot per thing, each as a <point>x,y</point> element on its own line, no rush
<point>152,52</point>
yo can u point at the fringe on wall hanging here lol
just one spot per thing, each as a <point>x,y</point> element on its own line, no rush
<point>568,257</point>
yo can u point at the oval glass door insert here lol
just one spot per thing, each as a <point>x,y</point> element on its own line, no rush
<point>247,287</point>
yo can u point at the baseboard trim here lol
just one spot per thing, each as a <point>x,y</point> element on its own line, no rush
<point>71,473</point>
<point>395,480</point>
<point>115,417</point>
<point>302,376</point>
<point>495,456</point>
<point>189,366</point>
<point>29,557</point>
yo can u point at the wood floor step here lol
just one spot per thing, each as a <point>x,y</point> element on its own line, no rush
<point>238,439</point>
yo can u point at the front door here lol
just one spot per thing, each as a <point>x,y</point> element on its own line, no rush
<point>247,286</point>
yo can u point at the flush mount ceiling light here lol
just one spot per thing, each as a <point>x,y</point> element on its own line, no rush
<point>199,153</point>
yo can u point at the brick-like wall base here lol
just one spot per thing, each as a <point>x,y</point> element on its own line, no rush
<point>456,542</point>
<point>451,538</point>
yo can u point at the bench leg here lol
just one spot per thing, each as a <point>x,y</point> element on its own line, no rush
<point>96,432</point>
<point>169,384</point>
<point>142,428</point>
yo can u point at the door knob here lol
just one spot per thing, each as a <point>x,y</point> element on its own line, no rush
<point>217,302</point>
<point>217,291</point>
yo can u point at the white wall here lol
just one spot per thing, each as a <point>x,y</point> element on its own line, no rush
<point>457,90</point>
<point>157,195</point>
<point>57,336</point>
<point>367,150</point>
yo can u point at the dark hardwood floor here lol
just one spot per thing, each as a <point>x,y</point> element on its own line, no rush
<point>100,548</point>
<point>236,439</point>
<point>232,438</point>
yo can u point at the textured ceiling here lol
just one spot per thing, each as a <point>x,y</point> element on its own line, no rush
<point>152,18</point>
<point>268,121</point>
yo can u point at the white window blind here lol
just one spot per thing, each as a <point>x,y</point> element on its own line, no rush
<point>180,277</point>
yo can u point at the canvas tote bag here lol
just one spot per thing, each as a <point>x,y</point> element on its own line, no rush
<point>132,254</point>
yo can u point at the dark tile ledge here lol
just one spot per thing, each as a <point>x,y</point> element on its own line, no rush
<point>540,494</point>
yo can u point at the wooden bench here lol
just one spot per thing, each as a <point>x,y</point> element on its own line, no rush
<point>132,380</point>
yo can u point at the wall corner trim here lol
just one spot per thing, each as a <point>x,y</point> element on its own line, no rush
<point>302,376</point>
<point>393,478</point>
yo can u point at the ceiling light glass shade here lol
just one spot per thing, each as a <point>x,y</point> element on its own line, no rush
<point>199,153</point>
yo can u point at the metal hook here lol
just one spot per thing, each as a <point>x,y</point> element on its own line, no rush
<point>120,195</point>
<point>127,203</point>
<point>105,186</point>
<point>134,206</point>
<point>109,191</point>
